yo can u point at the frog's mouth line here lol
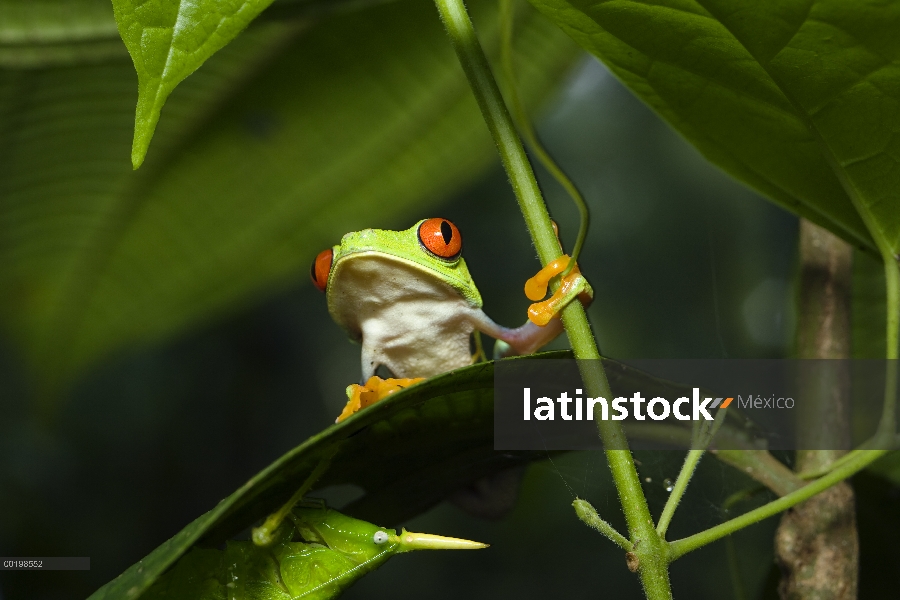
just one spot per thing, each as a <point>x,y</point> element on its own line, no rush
<point>463,287</point>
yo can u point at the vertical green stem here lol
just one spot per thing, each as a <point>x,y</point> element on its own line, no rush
<point>892,280</point>
<point>888,425</point>
<point>520,117</point>
<point>648,545</point>
<point>687,471</point>
<point>734,568</point>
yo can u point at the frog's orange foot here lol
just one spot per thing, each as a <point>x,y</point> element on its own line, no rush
<point>376,388</point>
<point>571,286</point>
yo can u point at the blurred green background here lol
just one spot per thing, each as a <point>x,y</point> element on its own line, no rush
<point>685,263</point>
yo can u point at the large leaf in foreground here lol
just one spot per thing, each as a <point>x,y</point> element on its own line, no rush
<point>407,453</point>
<point>258,164</point>
<point>798,98</point>
<point>429,440</point>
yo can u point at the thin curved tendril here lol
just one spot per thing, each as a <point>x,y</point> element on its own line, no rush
<point>524,125</point>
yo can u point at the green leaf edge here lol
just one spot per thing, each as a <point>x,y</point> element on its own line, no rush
<point>141,575</point>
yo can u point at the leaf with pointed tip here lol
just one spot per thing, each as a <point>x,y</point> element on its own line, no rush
<point>799,99</point>
<point>168,40</point>
<point>432,439</point>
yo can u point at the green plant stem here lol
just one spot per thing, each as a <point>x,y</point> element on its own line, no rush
<point>764,468</point>
<point>687,471</point>
<point>888,424</point>
<point>264,535</point>
<point>741,495</point>
<point>757,464</point>
<point>648,545</point>
<point>588,515</point>
<point>860,460</point>
<point>512,154</point>
<point>734,568</point>
<point>874,441</point>
<point>892,283</point>
<point>520,116</point>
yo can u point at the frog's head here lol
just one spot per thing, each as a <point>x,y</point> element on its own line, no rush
<point>431,246</point>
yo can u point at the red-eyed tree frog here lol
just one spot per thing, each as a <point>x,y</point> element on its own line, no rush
<point>408,298</point>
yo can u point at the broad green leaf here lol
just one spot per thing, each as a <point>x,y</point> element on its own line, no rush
<point>38,33</point>
<point>284,141</point>
<point>168,40</point>
<point>797,98</point>
<point>431,439</point>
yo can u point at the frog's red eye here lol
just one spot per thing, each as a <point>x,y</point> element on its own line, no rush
<point>441,238</point>
<point>321,267</point>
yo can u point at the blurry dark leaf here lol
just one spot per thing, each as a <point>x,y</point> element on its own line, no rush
<point>168,40</point>
<point>796,98</point>
<point>358,119</point>
<point>57,32</point>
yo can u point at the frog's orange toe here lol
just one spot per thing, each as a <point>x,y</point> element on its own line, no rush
<point>376,388</point>
<point>571,286</point>
<point>536,287</point>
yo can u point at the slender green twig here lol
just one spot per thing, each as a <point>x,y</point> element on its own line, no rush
<point>861,459</point>
<point>892,283</point>
<point>520,116</point>
<point>815,474</point>
<point>764,468</point>
<point>888,424</point>
<point>651,553</point>
<point>588,515</point>
<point>687,471</point>
<point>741,495</point>
<point>734,568</point>
<point>264,535</point>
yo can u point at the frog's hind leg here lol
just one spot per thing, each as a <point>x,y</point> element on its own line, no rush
<point>522,340</point>
<point>370,363</point>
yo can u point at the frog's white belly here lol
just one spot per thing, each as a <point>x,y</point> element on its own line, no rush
<point>409,321</point>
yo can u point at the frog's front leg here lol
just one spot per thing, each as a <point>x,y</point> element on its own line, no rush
<point>543,323</point>
<point>521,340</point>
